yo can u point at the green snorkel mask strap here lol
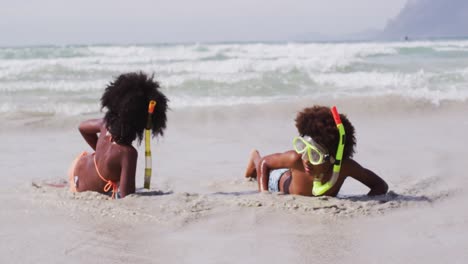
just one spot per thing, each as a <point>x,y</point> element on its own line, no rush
<point>148,166</point>
<point>319,188</point>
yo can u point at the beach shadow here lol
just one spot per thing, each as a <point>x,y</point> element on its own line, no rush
<point>54,183</point>
<point>241,193</point>
<point>141,192</point>
<point>390,196</point>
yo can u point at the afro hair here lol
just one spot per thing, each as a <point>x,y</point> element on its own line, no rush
<point>127,99</point>
<point>318,123</point>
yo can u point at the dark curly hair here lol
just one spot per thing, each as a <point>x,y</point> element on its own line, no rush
<point>127,99</point>
<point>318,123</point>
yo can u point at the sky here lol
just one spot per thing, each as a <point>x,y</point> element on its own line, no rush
<point>61,22</point>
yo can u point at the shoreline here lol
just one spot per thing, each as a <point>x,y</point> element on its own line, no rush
<point>239,112</point>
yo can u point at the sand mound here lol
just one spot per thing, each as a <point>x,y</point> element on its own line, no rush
<point>165,206</point>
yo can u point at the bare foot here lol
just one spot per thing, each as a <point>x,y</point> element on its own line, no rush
<point>251,171</point>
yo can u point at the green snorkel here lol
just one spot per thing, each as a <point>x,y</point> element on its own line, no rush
<point>148,167</point>
<point>319,188</point>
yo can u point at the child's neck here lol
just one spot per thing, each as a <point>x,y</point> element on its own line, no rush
<point>324,176</point>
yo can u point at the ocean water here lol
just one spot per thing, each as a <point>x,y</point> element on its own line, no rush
<point>69,80</point>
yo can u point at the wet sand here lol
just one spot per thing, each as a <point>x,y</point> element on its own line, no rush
<point>200,209</point>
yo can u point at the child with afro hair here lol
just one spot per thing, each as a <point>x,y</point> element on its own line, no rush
<point>292,172</point>
<point>113,163</point>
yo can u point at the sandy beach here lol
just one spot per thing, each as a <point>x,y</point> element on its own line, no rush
<point>201,210</point>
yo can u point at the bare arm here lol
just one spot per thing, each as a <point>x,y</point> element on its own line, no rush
<point>367,177</point>
<point>273,161</point>
<point>89,130</point>
<point>127,173</point>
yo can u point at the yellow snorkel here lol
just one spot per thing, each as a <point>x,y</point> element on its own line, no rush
<point>319,188</point>
<point>148,169</point>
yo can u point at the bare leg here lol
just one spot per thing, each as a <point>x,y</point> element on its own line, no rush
<point>251,171</point>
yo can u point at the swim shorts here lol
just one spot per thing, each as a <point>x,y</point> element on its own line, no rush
<point>275,176</point>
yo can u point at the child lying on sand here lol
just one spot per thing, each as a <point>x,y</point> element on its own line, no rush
<point>320,162</point>
<point>113,164</point>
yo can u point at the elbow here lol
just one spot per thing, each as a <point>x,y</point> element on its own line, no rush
<point>383,188</point>
<point>82,128</point>
<point>380,189</point>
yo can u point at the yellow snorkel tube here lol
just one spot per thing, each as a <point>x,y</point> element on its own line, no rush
<point>148,167</point>
<point>319,188</point>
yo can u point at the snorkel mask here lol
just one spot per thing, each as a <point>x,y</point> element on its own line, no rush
<point>317,155</point>
<point>311,150</point>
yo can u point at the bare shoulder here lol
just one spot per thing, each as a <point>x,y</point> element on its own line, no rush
<point>282,160</point>
<point>291,155</point>
<point>129,151</point>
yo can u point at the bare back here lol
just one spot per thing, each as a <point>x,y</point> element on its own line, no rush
<point>114,162</point>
